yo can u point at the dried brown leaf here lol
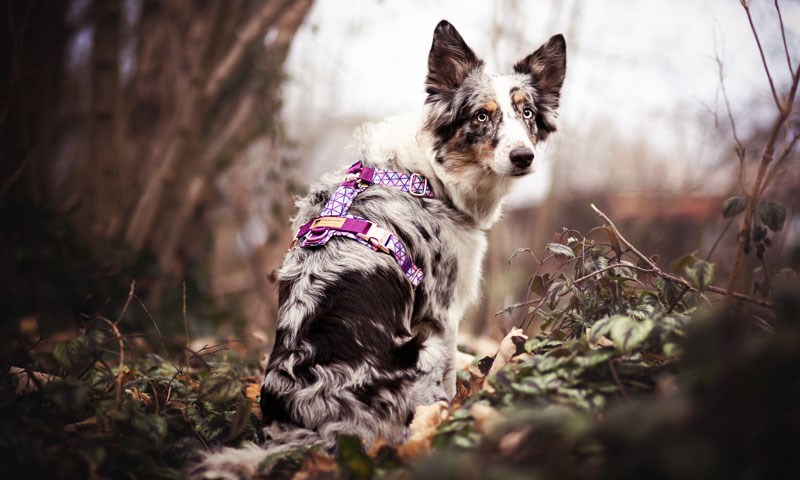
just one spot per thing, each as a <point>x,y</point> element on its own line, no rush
<point>505,352</point>
<point>426,421</point>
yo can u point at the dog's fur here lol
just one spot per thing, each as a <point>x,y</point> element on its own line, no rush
<point>357,349</point>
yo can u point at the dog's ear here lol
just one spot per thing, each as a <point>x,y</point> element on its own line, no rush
<point>547,67</point>
<point>449,61</point>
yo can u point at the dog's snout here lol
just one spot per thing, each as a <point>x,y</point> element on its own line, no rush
<point>521,157</point>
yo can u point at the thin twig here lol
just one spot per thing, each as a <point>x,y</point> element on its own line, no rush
<point>763,57</point>
<point>628,244</point>
<point>673,278</point>
<point>714,247</point>
<point>740,148</point>
<point>155,396</point>
<point>131,293</point>
<point>185,323</point>
<point>783,35</point>
<point>193,354</point>
<point>621,387</point>
<point>117,385</point>
<point>158,330</point>
<point>779,163</point>
<point>121,367</point>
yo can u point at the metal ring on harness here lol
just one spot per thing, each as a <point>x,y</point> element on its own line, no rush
<point>423,180</point>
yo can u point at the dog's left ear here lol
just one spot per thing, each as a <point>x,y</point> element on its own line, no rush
<point>547,67</point>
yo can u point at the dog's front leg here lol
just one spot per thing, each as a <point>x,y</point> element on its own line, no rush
<point>450,349</point>
<point>434,362</point>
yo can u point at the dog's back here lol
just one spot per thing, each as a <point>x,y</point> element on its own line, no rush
<point>349,338</point>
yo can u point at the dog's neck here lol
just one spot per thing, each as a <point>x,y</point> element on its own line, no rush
<point>400,143</point>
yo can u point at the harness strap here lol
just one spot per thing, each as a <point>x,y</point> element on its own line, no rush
<point>413,183</point>
<point>335,221</point>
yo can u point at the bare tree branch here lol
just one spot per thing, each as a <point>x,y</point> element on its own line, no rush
<point>255,28</point>
<point>682,281</point>
<point>783,35</point>
<point>762,180</point>
<point>740,148</point>
<point>779,163</point>
<point>746,6</point>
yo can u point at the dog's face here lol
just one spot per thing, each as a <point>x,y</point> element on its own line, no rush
<point>485,123</point>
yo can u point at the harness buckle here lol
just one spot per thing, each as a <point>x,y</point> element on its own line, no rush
<point>356,180</point>
<point>377,237</point>
<point>424,182</point>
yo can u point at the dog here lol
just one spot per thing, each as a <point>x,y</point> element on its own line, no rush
<point>358,344</point>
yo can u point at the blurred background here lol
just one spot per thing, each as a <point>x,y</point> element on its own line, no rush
<point>162,142</point>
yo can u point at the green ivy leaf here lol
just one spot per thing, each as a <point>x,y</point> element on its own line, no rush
<point>538,284</point>
<point>671,349</point>
<point>602,327</point>
<point>684,261</point>
<point>733,206</point>
<point>627,333</point>
<point>531,386</point>
<point>624,271</point>
<point>701,274</point>
<point>220,389</point>
<point>240,418</point>
<point>613,239</point>
<point>772,214</point>
<point>517,252</point>
<point>669,290</point>
<point>73,354</point>
<point>69,397</point>
<point>469,440</point>
<point>562,250</point>
<point>152,427</point>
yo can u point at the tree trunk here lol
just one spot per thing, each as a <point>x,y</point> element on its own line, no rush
<point>103,204</point>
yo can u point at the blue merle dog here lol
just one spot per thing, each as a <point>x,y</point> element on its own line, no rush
<point>359,346</point>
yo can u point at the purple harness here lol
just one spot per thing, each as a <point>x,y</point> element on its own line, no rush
<point>335,221</point>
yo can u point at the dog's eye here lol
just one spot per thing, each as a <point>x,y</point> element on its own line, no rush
<point>481,116</point>
<point>527,113</point>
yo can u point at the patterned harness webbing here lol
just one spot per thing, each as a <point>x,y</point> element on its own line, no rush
<point>335,221</point>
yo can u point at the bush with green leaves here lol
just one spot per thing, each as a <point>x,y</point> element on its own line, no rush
<point>125,412</point>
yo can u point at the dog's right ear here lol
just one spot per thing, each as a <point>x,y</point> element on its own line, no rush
<point>450,60</point>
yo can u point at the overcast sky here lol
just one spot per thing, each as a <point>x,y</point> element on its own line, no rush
<point>637,64</point>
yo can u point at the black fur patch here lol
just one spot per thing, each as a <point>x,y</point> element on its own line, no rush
<point>337,327</point>
<point>273,407</point>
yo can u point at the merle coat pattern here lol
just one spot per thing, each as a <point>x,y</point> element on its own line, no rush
<point>357,349</point>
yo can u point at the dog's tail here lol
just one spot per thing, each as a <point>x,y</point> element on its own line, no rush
<point>251,460</point>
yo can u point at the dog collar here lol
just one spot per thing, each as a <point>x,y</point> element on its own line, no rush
<point>335,221</point>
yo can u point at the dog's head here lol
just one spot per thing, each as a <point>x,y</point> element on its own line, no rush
<point>487,123</point>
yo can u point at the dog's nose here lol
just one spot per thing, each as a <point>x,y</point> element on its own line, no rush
<point>521,157</point>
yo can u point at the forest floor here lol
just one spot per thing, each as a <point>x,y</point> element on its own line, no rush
<point>631,376</point>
